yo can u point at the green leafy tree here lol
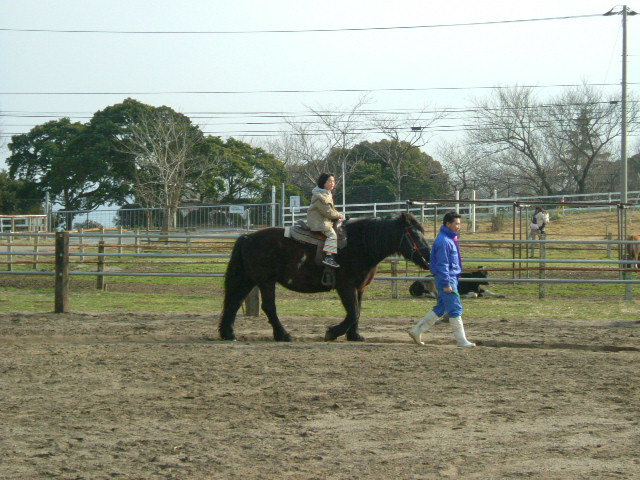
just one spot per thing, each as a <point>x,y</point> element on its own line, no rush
<point>376,179</point>
<point>52,156</point>
<point>242,173</point>
<point>19,196</point>
<point>107,140</point>
<point>81,166</point>
<point>369,183</point>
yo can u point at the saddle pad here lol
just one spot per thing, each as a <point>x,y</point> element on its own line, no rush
<point>307,236</point>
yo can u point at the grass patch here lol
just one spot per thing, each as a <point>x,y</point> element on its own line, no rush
<point>563,301</point>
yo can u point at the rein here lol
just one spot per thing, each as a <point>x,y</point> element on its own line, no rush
<point>412,243</point>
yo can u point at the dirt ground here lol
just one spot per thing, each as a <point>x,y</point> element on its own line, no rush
<point>155,396</point>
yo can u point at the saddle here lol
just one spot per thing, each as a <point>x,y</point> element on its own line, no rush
<point>301,232</point>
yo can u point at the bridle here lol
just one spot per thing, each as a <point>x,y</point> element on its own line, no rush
<point>415,250</point>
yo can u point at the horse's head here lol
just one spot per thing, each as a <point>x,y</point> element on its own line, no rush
<point>413,246</point>
<point>542,219</point>
<point>545,217</point>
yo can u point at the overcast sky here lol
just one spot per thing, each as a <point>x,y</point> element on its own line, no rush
<point>233,59</point>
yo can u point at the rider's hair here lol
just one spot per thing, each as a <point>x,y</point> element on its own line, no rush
<point>322,179</point>
<point>450,217</point>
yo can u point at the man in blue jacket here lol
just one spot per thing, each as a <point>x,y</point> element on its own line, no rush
<point>446,266</point>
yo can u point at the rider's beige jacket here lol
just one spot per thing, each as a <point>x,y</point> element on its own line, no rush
<point>321,213</point>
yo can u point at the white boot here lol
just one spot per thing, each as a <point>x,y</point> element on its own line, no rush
<point>458,331</point>
<point>422,326</point>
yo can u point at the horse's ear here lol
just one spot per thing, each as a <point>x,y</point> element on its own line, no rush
<point>406,217</point>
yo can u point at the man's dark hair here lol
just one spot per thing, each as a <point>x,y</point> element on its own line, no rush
<point>450,217</point>
<point>322,179</point>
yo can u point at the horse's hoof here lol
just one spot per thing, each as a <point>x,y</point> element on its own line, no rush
<point>282,338</point>
<point>355,338</point>
<point>328,336</point>
<point>228,336</point>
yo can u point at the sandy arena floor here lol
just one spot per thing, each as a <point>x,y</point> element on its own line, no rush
<point>149,396</point>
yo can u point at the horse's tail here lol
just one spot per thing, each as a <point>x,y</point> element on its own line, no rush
<point>235,274</point>
<point>237,285</point>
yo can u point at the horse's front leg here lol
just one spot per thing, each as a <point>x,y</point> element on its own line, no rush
<point>268,293</point>
<point>349,300</point>
<point>353,334</point>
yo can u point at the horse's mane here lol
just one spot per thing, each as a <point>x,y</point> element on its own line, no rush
<point>375,236</point>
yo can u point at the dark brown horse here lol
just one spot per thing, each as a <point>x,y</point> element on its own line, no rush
<point>266,257</point>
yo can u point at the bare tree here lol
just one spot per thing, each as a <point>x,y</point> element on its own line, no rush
<point>467,169</point>
<point>580,129</point>
<point>404,134</point>
<point>549,148</point>
<point>321,144</point>
<point>507,128</point>
<point>164,146</point>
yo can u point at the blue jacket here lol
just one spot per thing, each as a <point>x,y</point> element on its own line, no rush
<point>446,262</point>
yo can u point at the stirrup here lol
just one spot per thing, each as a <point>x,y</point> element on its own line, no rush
<point>328,278</point>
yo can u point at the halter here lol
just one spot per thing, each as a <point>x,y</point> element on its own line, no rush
<point>415,250</point>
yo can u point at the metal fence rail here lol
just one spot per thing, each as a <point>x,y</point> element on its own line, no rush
<point>92,245</point>
<point>247,216</point>
<point>198,217</point>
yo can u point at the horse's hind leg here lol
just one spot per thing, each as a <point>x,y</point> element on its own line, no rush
<point>268,293</point>
<point>353,334</point>
<point>233,299</point>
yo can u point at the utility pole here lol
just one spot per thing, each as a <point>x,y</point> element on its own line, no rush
<point>623,142</point>
<point>622,234</point>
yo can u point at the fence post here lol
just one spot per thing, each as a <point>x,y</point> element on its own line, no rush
<point>81,242</point>
<point>9,249</point>
<point>609,239</point>
<point>628,291</point>
<point>394,283</point>
<point>472,211</point>
<point>252,303</point>
<point>36,241</point>
<point>120,230</point>
<point>136,240</point>
<point>543,274</point>
<point>100,285</point>
<point>62,273</point>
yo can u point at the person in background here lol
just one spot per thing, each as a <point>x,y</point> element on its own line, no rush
<point>446,266</point>
<point>322,214</point>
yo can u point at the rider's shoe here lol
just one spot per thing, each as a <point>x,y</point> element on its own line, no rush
<point>330,262</point>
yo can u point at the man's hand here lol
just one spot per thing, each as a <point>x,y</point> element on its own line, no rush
<point>448,289</point>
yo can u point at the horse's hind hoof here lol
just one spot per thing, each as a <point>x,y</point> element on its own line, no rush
<point>283,338</point>
<point>329,336</point>
<point>355,338</point>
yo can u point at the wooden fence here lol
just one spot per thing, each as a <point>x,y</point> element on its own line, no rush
<point>31,253</point>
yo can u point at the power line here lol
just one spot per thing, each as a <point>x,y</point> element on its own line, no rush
<point>336,90</point>
<point>280,115</point>
<point>309,30</point>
